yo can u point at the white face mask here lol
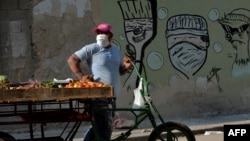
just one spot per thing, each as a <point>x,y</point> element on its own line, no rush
<point>102,40</point>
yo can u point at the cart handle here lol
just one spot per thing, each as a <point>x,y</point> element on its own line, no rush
<point>144,90</point>
<point>137,71</point>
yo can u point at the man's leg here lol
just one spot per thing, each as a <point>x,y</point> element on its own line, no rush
<point>88,135</point>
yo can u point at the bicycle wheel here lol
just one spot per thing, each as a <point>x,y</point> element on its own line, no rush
<point>172,131</point>
<point>6,137</point>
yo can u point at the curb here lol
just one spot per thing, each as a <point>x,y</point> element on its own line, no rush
<point>197,130</point>
<point>144,137</point>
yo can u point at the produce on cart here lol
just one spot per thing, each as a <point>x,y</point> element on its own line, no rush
<point>4,81</point>
<point>49,102</point>
<point>49,90</point>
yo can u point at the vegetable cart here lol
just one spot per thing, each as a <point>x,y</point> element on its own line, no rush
<point>47,105</point>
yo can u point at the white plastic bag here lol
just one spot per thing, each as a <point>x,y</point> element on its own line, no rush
<point>138,98</point>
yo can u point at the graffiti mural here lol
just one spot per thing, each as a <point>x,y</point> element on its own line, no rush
<point>140,29</point>
<point>188,51</point>
<point>237,32</point>
<point>187,42</point>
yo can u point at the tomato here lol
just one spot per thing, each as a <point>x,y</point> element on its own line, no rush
<point>70,85</point>
<point>78,84</point>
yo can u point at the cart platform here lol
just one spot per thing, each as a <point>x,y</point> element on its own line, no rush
<point>48,105</point>
<point>53,94</point>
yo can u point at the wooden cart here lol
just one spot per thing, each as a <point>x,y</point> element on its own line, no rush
<point>48,105</point>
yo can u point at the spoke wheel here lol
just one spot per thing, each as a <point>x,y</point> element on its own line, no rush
<point>6,137</point>
<point>172,131</point>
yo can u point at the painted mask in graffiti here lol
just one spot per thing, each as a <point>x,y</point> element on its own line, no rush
<point>187,40</point>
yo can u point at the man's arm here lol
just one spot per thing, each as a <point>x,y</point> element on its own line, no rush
<point>74,64</point>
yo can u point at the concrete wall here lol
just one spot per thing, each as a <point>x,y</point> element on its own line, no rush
<point>15,39</point>
<point>196,60</point>
<point>58,29</point>
<point>195,67</point>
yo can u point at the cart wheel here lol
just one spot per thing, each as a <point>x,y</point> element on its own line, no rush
<point>6,137</point>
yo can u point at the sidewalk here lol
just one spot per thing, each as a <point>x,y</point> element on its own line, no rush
<point>201,125</point>
<point>197,125</point>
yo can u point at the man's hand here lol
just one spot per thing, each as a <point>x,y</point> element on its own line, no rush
<point>87,78</point>
<point>127,64</point>
<point>126,61</point>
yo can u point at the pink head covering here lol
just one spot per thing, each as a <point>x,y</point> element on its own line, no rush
<point>104,27</point>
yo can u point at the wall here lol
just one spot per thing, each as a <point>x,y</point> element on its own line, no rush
<point>59,28</point>
<point>196,54</point>
<point>15,39</point>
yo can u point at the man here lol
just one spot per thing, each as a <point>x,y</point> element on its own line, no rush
<point>105,64</point>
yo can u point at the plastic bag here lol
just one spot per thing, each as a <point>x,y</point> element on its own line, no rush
<point>138,96</point>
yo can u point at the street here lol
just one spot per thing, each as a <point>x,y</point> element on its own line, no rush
<point>143,136</point>
<point>210,136</point>
<point>205,129</point>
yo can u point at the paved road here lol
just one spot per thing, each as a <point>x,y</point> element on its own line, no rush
<point>198,125</point>
<point>212,137</point>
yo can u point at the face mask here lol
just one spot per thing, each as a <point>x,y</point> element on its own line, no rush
<point>102,40</point>
<point>187,58</point>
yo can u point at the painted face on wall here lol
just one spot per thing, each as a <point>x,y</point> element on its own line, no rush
<point>236,26</point>
<point>236,32</point>
<point>140,21</point>
<point>187,53</point>
<point>187,43</point>
<point>138,31</point>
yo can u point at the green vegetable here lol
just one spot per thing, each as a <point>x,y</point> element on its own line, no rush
<point>49,84</point>
<point>4,81</point>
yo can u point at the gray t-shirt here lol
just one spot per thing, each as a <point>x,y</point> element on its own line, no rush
<point>104,63</point>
